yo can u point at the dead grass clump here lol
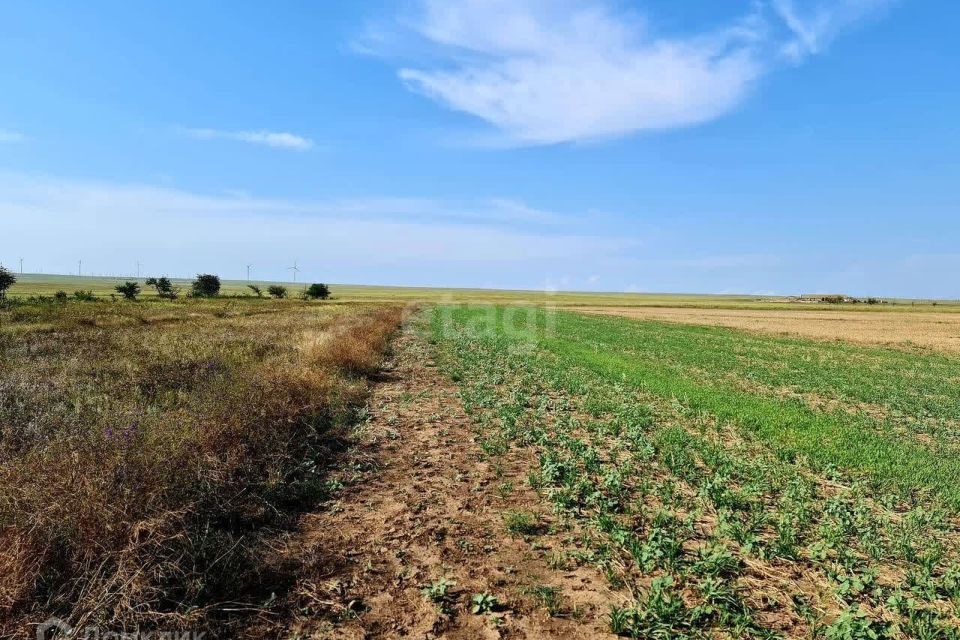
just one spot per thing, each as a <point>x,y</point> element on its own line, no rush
<point>19,563</point>
<point>137,481</point>
<point>354,347</point>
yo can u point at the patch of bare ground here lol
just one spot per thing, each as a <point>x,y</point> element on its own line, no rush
<point>431,508</point>
<point>933,330</point>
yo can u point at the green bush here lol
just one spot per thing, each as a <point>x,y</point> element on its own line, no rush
<point>277,291</point>
<point>164,287</point>
<point>7,280</point>
<point>129,290</point>
<point>206,285</point>
<point>317,291</point>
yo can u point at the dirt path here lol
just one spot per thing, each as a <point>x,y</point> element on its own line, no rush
<point>426,508</point>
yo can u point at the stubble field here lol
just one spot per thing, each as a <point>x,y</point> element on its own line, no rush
<point>907,326</point>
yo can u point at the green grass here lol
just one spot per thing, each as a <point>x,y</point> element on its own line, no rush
<point>695,364</point>
<point>711,472</point>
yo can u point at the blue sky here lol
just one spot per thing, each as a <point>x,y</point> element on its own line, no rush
<point>769,146</point>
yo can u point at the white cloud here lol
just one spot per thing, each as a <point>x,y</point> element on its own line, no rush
<point>276,139</point>
<point>543,73</point>
<point>547,72</point>
<point>11,136</point>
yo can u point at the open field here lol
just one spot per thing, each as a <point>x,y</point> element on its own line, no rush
<point>479,320</point>
<point>259,468</point>
<point>46,285</point>
<point>728,484</point>
<point>919,327</point>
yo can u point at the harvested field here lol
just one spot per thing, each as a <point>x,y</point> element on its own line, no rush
<point>933,330</point>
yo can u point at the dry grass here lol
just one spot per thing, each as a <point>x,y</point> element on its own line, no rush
<point>929,329</point>
<point>146,449</point>
<point>353,346</point>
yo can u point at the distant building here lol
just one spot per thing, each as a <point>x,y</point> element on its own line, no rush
<point>832,298</point>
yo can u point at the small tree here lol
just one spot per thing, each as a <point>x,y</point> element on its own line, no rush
<point>7,280</point>
<point>164,287</point>
<point>317,291</point>
<point>256,290</point>
<point>277,291</point>
<point>129,290</point>
<point>206,286</point>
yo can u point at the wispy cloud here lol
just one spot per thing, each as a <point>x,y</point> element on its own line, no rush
<point>11,136</point>
<point>486,211</point>
<point>543,72</point>
<point>276,139</point>
<point>386,240</point>
<point>741,261</point>
<point>814,25</point>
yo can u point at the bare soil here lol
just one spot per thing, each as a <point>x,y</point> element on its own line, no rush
<point>425,505</point>
<point>934,330</point>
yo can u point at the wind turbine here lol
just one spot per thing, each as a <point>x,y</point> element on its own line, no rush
<point>21,266</point>
<point>79,267</point>
<point>249,266</point>
<point>295,269</point>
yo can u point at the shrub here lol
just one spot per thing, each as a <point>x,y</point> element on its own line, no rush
<point>60,296</point>
<point>277,291</point>
<point>7,280</point>
<point>256,290</point>
<point>129,290</point>
<point>206,286</point>
<point>84,296</point>
<point>164,287</point>
<point>317,291</point>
